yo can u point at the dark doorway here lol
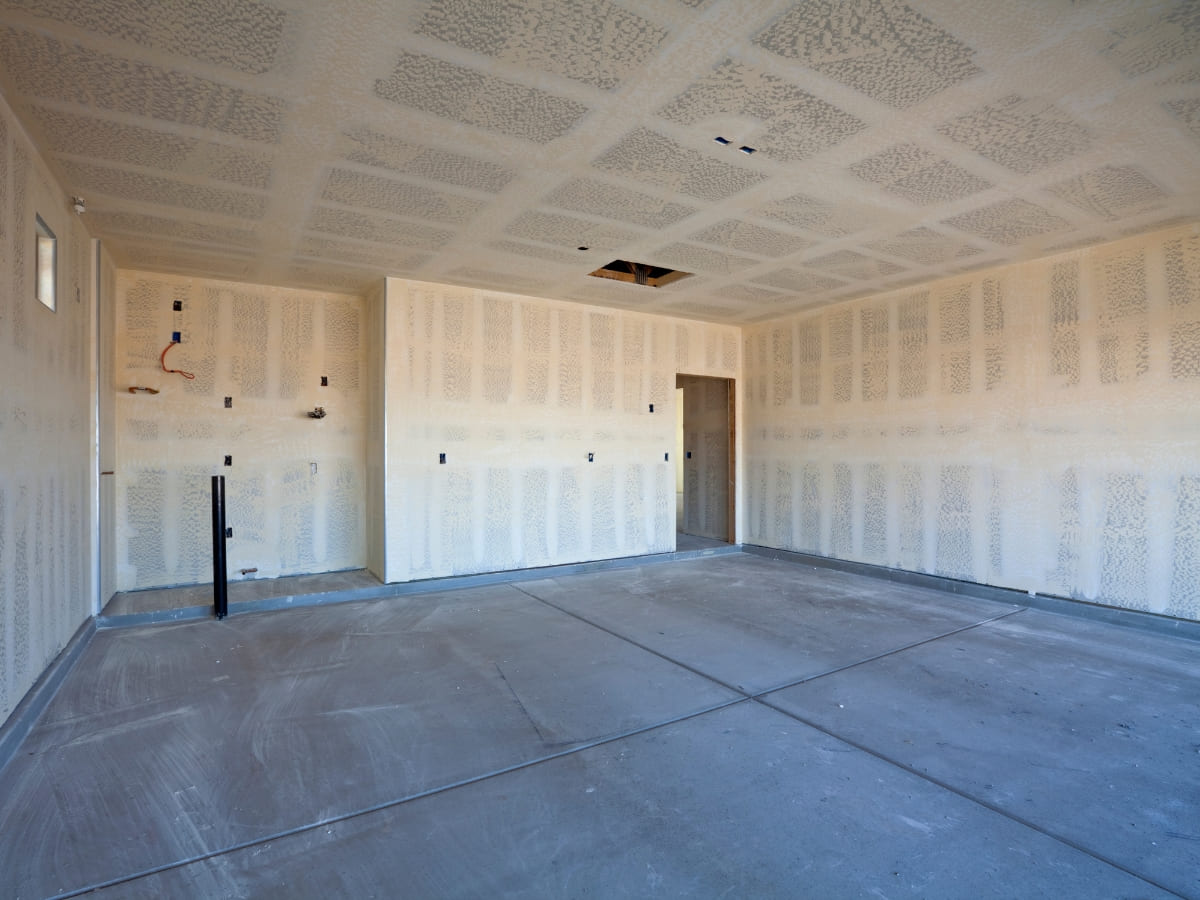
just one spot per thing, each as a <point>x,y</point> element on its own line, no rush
<point>706,458</point>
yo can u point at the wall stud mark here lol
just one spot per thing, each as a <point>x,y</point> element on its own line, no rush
<point>228,460</point>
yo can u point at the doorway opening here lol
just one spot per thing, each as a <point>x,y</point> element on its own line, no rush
<point>704,461</point>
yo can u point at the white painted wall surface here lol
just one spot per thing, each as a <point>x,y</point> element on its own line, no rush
<point>267,348</point>
<point>1035,426</point>
<point>516,391</point>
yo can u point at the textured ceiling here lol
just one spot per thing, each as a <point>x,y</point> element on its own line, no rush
<point>327,143</point>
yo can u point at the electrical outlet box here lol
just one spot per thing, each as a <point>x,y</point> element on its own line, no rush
<point>591,457</point>
<point>229,460</point>
<point>176,337</point>
<point>177,306</point>
<point>442,458</point>
<point>229,403</point>
<point>324,381</point>
<point>228,532</point>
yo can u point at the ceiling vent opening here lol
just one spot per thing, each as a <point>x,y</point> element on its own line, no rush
<point>638,273</point>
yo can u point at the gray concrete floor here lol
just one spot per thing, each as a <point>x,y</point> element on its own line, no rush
<point>685,542</point>
<point>244,590</point>
<point>723,726</point>
<point>152,605</point>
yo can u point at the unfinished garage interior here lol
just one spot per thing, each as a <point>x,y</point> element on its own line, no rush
<point>670,448</point>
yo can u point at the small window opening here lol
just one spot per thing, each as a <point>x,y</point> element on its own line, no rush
<point>47,265</point>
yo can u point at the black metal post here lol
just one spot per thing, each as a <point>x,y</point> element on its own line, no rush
<point>220,578</point>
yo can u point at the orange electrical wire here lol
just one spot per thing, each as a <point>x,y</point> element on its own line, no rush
<point>162,361</point>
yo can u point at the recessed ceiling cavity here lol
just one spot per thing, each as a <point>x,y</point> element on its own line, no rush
<point>638,273</point>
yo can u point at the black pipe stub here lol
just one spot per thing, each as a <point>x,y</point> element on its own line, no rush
<point>220,577</point>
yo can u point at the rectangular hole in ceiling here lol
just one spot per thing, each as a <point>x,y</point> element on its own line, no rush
<point>638,273</point>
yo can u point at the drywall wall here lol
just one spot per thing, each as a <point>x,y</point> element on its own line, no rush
<point>706,472</point>
<point>45,496</point>
<point>375,387</point>
<point>1035,426</point>
<point>517,391</point>
<point>104,428</point>
<point>295,491</point>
